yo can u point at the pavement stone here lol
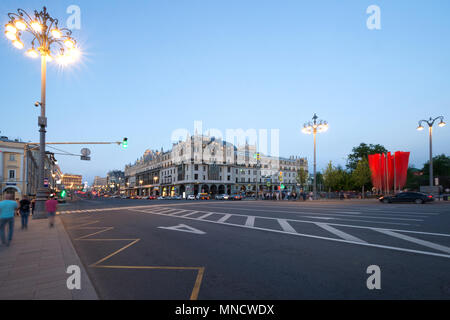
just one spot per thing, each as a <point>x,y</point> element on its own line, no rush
<point>34,265</point>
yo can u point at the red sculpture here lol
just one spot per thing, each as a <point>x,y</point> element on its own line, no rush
<point>389,171</point>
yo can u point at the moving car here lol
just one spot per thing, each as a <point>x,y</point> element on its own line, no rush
<point>222,196</point>
<point>416,197</point>
<point>190,197</point>
<point>203,196</point>
<point>236,196</point>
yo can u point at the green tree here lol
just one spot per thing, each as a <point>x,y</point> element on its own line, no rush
<point>302,176</point>
<point>361,176</point>
<point>441,166</point>
<point>362,152</point>
<point>331,177</point>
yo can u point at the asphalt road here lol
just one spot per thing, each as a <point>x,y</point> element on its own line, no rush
<point>149,249</point>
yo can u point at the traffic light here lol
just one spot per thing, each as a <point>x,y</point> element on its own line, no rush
<point>63,194</point>
<point>125,143</point>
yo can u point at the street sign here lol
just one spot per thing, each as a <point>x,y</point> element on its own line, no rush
<point>85,152</point>
<point>85,158</point>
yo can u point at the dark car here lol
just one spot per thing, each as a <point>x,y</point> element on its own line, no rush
<point>235,196</point>
<point>416,197</point>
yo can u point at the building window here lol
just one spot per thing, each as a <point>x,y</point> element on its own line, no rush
<point>196,176</point>
<point>228,178</point>
<point>196,167</point>
<point>12,174</point>
<point>12,157</point>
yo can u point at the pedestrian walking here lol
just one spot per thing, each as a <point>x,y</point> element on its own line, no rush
<point>33,205</point>
<point>50,206</point>
<point>7,209</point>
<point>24,210</point>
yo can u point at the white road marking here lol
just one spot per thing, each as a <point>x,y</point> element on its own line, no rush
<point>323,238</point>
<point>184,228</point>
<point>415,240</point>
<point>205,216</point>
<point>286,226</point>
<point>224,218</point>
<point>250,222</point>
<point>339,233</point>
<point>177,212</point>
<point>189,214</point>
<point>323,218</point>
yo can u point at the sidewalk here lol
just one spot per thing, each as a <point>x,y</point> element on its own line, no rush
<point>34,265</point>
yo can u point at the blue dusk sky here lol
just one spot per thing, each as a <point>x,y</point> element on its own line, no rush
<point>150,67</point>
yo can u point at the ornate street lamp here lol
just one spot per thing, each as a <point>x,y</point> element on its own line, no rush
<point>314,127</point>
<point>50,42</point>
<point>430,122</point>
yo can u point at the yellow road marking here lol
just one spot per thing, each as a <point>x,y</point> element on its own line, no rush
<point>200,270</point>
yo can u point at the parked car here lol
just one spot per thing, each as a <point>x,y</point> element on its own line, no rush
<point>236,196</point>
<point>222,196</point>
<point>416,197</point>
<point>124,197</point>
<point>151,197</point>
<point>145,197</point>
<point>203,196</point>
<point>161,198</point>
<point>176,198</point>
<point>190,197</point>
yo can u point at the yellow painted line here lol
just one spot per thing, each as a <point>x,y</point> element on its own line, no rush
<point>147,267</point>
<point>118,239</point>
<point>200,270</point>
<point>83,224</point>
<point>198,282</point>
<point>114,253</point>
<point>94,233</point>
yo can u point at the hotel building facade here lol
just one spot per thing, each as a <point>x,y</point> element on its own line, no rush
<point>206,164</point>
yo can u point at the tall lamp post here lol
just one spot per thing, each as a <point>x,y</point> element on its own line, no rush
<point>430,122</point>
<point>314,127</point>
<point>46,35</point>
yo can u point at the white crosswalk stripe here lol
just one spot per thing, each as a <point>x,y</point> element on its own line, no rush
<point>339,233</point>
<point>415,240</point>
<point>286,226</point>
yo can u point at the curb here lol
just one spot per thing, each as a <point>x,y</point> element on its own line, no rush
<point>87,291</point>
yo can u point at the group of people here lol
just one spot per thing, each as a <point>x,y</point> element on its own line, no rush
<point>288,195</point>
<point>10,207</point>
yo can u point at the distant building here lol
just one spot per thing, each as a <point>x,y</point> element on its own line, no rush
<point>206,164</point>
<point>19,168</point>
<point>72,181</point>
<point>99,182</point>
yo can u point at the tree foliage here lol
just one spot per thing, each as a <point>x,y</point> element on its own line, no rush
<point>361,176</point>
<point>441,166</point>
<point>362,152</point>
<point>302,176</point>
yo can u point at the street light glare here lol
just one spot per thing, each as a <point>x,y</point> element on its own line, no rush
<point>11,28</point>
<point>419,128</point>
<point>18,44</point>
<point>442,124</point>
<point>36,26</point>
<point>69,43</point>
<point>20,25</point>
<point>56,33</point>
<point>11,35</point>
<point>32,53</point>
